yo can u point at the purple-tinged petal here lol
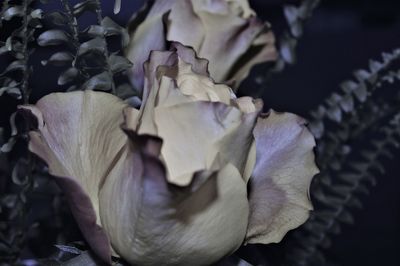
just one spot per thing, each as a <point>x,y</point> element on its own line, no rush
<point>184,26</point>
<point>80,139</point>
<point>179,223</point>
<point>261,50</point>
<point>148,36</point>
<point>279,186</point>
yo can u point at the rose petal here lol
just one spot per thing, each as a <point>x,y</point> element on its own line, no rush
<point>79,138</point>
<point>235,32</point>
<point>147,214</point>
<point>200,87</point>
<point>184,26</point>
<point>151,89</point>
<point>239,42</point>
<point>202,136</point>
<point>262,50</point>
<point>148,36</point>
<point>279,186</point>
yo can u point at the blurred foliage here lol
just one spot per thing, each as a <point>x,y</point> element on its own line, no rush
<point>295,16</point>
<point>357,130</point>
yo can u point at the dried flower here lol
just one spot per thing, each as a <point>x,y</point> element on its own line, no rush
<point>225,32</point>
<point>188,178</point>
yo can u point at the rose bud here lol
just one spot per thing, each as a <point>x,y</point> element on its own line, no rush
<point>187,179</point>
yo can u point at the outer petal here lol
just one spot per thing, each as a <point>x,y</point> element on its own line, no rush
<point>148,36</point>
<point>279,199</point>
<point>185,26</point>
<point>79,138</point>
<point>261,50</point>
<point>239,32</point>
<point>157,222</point>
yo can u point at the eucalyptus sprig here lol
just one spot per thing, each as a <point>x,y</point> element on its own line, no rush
<point>361,114</point>
<point>17,175</point>
<point>85,53</point>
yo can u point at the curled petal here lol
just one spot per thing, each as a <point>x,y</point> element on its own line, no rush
<point>78,136</point>
<point>180,224</point>
<point>279,186</point>
<point>234,32</point>
<point>151,36</point>
<point>202,135</point>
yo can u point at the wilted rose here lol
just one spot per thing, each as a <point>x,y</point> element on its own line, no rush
<point>188,178</point>
<point>225,32</point>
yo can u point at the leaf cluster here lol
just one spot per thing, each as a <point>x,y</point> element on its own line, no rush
<point>19,22</point>
<point>85,53</point>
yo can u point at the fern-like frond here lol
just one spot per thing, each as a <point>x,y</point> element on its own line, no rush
<point>351,118</point>
<point>337,199</point>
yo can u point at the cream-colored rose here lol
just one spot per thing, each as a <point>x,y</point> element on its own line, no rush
<point>188,178</point>
<point>225,32</point>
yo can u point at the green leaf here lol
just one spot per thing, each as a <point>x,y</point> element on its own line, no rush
<point>14,11</point>
<point>59,59</point>
<point>12,91</point>
<point>58,18</point>
<point>94,45</point>
<point>17,65</point>
<point>53,37</point>
<point>111,28</point>
<point>82,7</point>
<point>20,172</point>
<point>68,76</point>
<point>7,147</point>
<point>287,50</point>
<point>119,63</point>
<point>94,31</point>
<point>37,14</point>
<point>69,249</point>
<point>101,82</point>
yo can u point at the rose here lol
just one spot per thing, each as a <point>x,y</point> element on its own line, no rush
<point>225,32</point>
<point>188,178</point>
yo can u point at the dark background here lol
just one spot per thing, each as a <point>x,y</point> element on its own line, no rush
<point>340,37</point>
